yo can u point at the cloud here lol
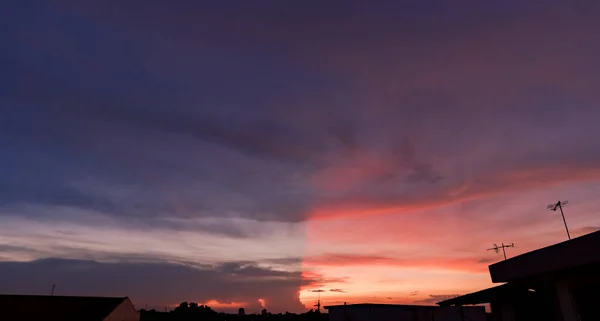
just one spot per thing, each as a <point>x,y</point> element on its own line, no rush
<point>489,184</point>
<point>486,260</point>
<point>252,272</point>
<point>318,280</point>
<point>285,260</point>
<point>11,252</point>
<point>155,284</point>
<point>395,118</point>
<point>343,146</point>
<point>586,230</point>
<point>435,263</point>
<point>366,151</point>
<point>337,290</point>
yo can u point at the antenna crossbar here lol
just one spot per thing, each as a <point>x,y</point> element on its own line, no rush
<point>497,248</point>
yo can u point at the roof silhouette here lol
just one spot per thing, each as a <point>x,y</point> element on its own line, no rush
<point>579,251</point>
<point>382,305</point>
<point>56,308</point>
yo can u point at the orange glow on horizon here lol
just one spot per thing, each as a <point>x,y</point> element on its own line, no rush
<point>215,304</point>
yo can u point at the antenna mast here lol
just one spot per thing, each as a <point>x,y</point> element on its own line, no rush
<point>318,305</point>
<point>52,292</point>
<point>559,205</point>
<point>497,248</point>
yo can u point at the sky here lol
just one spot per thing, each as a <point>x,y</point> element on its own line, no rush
<point>263,154</point>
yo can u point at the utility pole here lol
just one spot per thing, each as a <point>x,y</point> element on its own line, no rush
<point>559,205</point>
<point>52,292</point>
<point>497,248</point>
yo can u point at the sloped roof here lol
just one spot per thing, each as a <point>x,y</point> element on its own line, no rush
<point>485,295</point>
<point>570,254</point>
<point>56,308</point>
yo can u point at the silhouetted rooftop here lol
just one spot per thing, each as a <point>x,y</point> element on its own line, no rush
<point>568,255</point>
<point>379,305</point>
<point>486,295</point>
<point>56,308</point>
<point>574,253</point>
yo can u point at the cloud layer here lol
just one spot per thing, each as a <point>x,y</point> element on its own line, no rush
<point>156,284</point>
<point>401,137</point>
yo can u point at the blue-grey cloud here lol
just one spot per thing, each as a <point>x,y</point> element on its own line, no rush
<point>155,284</point>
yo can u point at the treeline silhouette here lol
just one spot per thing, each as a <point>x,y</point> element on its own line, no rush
<point>194,312</point>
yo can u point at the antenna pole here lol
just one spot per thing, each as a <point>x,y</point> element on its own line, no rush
<point>564,221</point>
<point>52,292</point>
<point>318,305</point>
<point>559,205</point>
<point>504,250</point>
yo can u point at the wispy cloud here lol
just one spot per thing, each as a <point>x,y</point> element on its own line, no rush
<point>440,263</point>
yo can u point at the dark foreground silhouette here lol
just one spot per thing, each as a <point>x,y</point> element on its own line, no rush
<point>195,312</point>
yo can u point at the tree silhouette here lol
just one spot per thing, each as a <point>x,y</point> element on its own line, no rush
<point>182,306</point>
<point>197,312</point>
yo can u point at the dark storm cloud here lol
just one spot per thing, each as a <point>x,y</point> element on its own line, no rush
<point>155,284</point>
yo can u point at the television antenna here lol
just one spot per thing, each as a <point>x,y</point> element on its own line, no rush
<point>318,305</point>
<point>497,248</point>
<point>559,205</point>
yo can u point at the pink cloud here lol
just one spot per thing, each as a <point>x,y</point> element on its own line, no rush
<point>439,263</point>
<point>487,185</point>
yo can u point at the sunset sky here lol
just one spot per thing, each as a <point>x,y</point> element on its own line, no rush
<point>262,153</point>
